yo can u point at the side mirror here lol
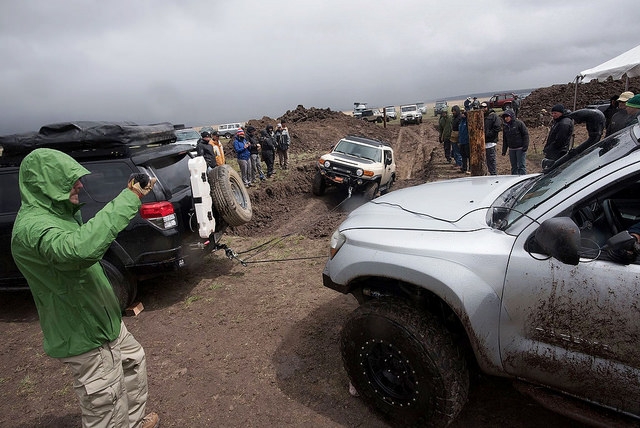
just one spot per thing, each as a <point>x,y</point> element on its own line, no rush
<point>559,237</point>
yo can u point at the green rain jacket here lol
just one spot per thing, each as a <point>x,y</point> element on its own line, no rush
<point>59,255</point>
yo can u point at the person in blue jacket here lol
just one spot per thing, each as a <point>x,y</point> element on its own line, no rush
<point>241,146</point>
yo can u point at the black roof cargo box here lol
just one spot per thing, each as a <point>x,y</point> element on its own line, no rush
<point>87,138</point>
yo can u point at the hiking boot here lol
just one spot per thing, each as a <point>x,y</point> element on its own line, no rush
<point>152,420</point>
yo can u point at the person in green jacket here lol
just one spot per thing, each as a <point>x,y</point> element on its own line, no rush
<point>444,133</point>
<point>59,255</point>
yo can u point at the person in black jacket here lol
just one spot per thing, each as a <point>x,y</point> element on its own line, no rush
<point>492,127</point>
<point>515,140</point>
<point>268,142</point>
<point>559,139</point>
<point>205,149</point>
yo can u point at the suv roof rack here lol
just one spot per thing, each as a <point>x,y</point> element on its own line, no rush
<point>367,140</point>
<point>86,139</point>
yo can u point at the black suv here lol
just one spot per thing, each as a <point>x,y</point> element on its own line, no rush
<point>164,235</point>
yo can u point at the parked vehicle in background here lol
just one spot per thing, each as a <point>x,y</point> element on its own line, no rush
<point>410,114</point>
<point>532,278</point>
<point>422,108</point>
<point>502,101</point>
<point>172,229</point>
<point>440,106</point>
<point>371,115</point>
<point>228,130</point>
<point>358,107</point>
<point>187,136</point>
<point>356,164</point>
<point>391,113</point>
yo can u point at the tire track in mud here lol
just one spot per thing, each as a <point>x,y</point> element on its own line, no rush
<point>414,147</point>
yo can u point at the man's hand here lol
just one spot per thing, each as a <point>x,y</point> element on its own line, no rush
<point>140,184</point>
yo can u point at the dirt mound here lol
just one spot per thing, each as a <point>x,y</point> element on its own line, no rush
<point>588,93</point>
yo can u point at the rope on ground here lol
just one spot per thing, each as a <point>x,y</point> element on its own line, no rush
<point>272,242</point>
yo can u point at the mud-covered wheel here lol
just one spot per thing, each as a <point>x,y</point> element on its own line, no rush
<point>318,186</point>
<point>389,186</point>
<point>124,285</point>
<point>230,197</point>
<point>370,191</point>
<point>404,364</point>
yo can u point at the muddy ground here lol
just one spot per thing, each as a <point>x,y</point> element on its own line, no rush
<point>257,345</point>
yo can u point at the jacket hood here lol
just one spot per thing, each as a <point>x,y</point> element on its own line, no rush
<point>46,178</point>
<point>509,113</point>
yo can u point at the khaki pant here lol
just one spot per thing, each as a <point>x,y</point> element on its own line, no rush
<point>111,383</point>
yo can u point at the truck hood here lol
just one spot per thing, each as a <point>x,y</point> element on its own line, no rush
<point>452,205</point>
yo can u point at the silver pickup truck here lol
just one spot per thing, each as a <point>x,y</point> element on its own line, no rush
<point>533,278</point>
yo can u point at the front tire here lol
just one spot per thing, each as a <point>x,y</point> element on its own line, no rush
<point>229,195</point>
<point>319,186</point>
<point>404,364</point>
<point>370,191</point>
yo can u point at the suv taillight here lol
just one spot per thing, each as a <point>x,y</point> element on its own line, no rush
<point>160,214</point>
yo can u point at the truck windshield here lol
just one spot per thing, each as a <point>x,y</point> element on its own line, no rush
<point>359,150</point>
<point>525,196</point>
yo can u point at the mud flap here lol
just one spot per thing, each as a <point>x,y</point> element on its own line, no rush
<point>202,196</point>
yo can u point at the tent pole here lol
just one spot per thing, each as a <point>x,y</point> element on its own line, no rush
<point>626,82</point>
<point>575,94</point>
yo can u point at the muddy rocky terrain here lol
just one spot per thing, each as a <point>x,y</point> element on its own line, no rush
<point>256,345</point>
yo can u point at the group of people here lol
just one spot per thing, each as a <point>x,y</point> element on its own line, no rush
<point>623,110</point>
<point>251,150</point>
<point>454,135</point>
<point>59,256</point>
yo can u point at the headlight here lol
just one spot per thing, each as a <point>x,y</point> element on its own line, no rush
<point>337,240</point>
<point>327,164</point>
<point>359,172</point>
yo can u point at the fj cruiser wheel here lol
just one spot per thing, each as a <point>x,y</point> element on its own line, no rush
<point>123,284</point>
<point>370,191</point>
<point>389,186</point>
<point>319,186</point>
<point>229,195</point>
<point>404,364</point>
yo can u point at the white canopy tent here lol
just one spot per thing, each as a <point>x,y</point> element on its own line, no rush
<point>626,64</point>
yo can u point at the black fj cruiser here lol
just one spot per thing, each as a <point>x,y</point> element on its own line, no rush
<point>164,235</point>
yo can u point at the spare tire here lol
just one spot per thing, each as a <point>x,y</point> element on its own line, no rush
<point>230,197</point>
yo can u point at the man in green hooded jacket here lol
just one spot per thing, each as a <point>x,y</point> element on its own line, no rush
<point>79,313</point>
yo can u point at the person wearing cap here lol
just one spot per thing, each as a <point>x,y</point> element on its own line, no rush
<point>475,104</point>
<point>210,149</point>
<point>559,138</point>
<point>515,140</point>
<point>492,127</point>
<point>632,106</point>
<point>467,104</point>
<point>241,147</point>
<point>620,117</point>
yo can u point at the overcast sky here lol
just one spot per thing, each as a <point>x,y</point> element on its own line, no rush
<point>208,62</point>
